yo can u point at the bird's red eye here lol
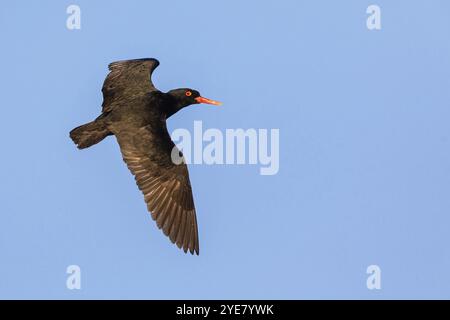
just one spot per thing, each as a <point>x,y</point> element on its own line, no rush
<point>188,93</point>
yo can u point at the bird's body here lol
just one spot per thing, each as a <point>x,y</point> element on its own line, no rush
<point>135,112</point>
<point>143,111</point>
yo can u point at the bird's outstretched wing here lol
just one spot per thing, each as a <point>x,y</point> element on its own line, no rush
<point>127,79</point>
<point>165,185</point>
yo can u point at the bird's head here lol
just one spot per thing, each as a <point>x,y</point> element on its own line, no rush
<point>185,97</point>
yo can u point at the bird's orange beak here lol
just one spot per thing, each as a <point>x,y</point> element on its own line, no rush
<point>208,101</point>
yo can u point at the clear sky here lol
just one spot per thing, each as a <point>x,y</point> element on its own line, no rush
<point>364,150</point>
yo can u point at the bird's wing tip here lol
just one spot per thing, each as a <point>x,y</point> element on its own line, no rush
<point>120,63</point>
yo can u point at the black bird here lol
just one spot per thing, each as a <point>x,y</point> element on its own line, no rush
<point>135,112</point>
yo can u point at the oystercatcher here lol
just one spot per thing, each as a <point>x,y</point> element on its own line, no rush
<point>135,112</point>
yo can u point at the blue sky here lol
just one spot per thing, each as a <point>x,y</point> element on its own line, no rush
<point>364,150</point>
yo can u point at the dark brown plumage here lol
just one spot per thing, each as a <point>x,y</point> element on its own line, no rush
<point>135,112</point>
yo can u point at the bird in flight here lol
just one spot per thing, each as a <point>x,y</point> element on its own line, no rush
<point>135,112</point>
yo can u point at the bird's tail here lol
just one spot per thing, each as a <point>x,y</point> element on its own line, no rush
<point>89,134</point>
